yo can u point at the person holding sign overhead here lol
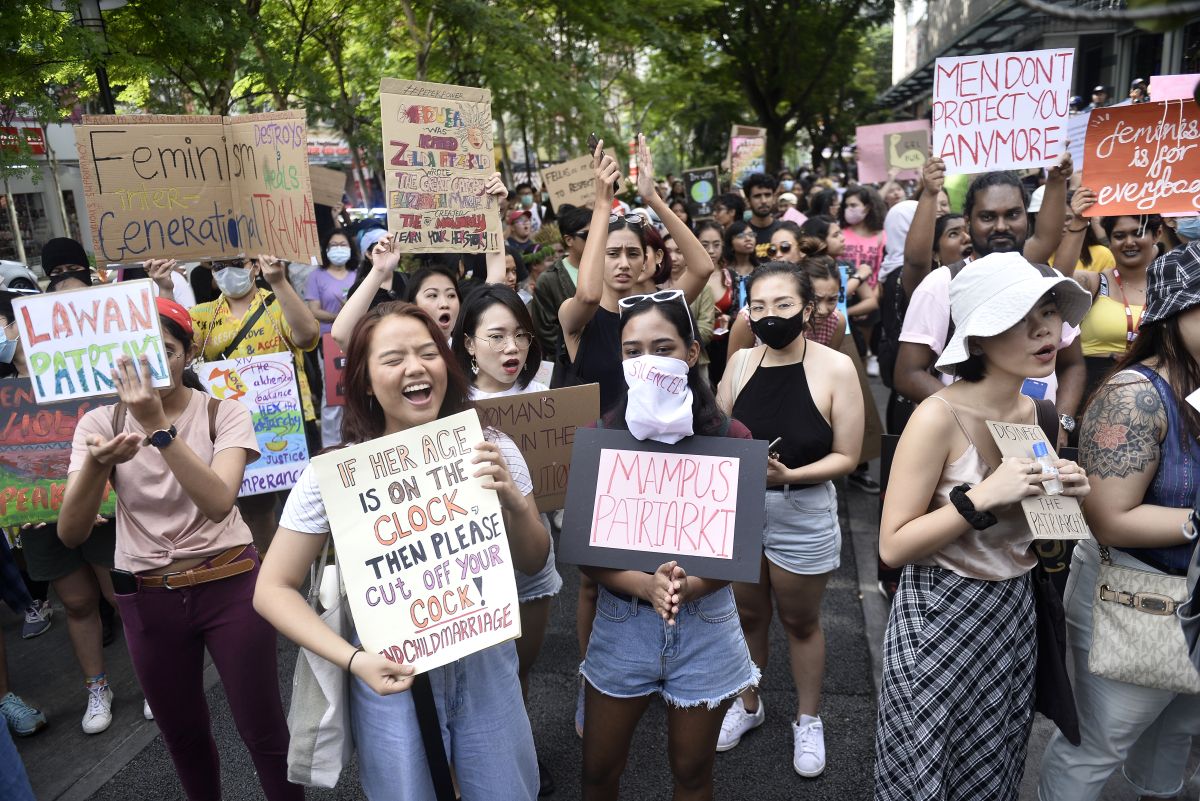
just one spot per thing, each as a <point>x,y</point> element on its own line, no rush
<point>400,373</point>
<point>803,398</point>
<point>185,565</point>
<point>957,699</point>
<point>666,633</point>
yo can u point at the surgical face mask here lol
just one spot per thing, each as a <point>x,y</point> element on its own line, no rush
<point>855,215</point>
<point>778,332</point>
<point>234,282</point>
<point>338,254</point>
<point>526,200</point>
<point>660,400</point>
<point>1188,227</point>
<point>8,348</point>
<point>787,184</point>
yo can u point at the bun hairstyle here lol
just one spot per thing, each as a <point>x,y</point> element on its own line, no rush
<point>654,241</point>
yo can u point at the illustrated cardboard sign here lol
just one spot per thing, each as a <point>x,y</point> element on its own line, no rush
<point>633,504</point>
<point>266,385</point>
<point>1144,158</point>
<point>73,339</point>
<point>335,371</point>
<point>1174,87</point>
<point>1001,111</point>
<point>173,186</point>
<point>747,152</point>
<point>35,450</point>
<point>421,544</point>
<point>1050,517</point>
<point>570,182</point>
<point>891,149</point>
<point>542,424</point>
<point>701,187</point>
<point>437,150</point>
<point>328,186</point>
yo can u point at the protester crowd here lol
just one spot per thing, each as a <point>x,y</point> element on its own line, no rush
<point>773,312</point>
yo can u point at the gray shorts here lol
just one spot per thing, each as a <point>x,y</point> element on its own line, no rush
<point>801,533</point>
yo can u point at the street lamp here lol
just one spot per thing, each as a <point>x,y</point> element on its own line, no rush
<point>88,15</point>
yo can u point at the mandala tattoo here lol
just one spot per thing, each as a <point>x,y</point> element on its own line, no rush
<point>1122,430</point>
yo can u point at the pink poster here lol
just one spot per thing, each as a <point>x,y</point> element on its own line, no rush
<point>1173,87</point>
<point>894,143</point>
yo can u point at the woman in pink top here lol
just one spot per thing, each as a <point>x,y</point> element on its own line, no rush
<point>861,217</point>
<point>185,566</point>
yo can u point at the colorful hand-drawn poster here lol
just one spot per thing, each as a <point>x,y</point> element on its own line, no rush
<point>893,149</point>
<point>421,544</point>
<point>35,450</point>
<point>174,186</point>
<point>1001,111</point>
<point>73,339</point>
<point>1144,158</point>
<point>437,150</point>
<point>335,371</point>
<point>701,187</point>
<point>266,385</point>
<point>747,152</point>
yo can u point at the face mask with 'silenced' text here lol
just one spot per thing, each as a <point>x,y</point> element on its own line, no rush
<point>660,400</point>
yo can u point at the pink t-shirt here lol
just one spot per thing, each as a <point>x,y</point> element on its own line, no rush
<point>864,250</point>
<point>157,522</point>
<point>928,319</point>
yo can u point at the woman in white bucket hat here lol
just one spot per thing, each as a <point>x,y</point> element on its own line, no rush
<point>957,700</point>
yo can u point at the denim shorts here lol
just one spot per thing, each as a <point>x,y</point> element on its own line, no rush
<point>702,659</point>
<point>801,533</point>
<point>545,582</point>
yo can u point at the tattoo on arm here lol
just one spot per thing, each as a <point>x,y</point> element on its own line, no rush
<point>1122,430</point>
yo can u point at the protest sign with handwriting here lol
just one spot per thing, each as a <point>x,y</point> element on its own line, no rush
<point>634,504</point>
<point>437,149</point>
<point>747,152</point>
<point>1050,517</point>
<point>543,426</point>
<point>161,186</point>
<point>891,150</point>
<point>335,371</point>
<point>328,186</point>
<point>73,339</point>
<point>701,187</point>
<point>422,546</point>
<point>1143,158</point>
<point>571,182</point>
<point>1000,111</point>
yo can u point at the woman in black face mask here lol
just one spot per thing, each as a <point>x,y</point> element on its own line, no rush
<point>804,399</point>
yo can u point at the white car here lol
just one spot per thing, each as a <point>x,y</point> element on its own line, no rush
<point>14,275</point>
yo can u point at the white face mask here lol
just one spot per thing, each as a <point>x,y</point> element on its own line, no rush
<point>338,255</point>
<point>855,215</point>
<point>660,400</point>
<point>234,282</point>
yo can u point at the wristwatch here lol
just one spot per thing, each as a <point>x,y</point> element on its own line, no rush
<point>162,438</point>
<point>978,520</point>
<point>1067,422</point>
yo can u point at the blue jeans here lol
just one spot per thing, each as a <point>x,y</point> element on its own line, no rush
<point>14,784</point>
<point>484,728</point>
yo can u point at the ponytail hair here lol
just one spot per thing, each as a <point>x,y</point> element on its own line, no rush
<point>190,379</point>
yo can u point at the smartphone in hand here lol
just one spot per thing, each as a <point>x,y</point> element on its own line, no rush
<point>592,143</point>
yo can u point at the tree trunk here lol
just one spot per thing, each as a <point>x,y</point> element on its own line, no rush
<point>61,204</point>
<point>18,242</point>
<point>777,141</point>
<point>505,166</point>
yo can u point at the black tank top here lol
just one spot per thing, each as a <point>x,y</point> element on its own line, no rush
<point>776,402</point>
<point>598,359</point>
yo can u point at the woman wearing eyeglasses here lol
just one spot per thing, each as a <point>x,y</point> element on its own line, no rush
<point>493,341</point>
<point>805,397</point>
<point>668,633</point>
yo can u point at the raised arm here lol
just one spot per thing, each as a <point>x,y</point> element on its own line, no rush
<point>1041,246</point>
<point>918,247</point>
<point>699,265</point>
<point>1066,257</point>
<point>385,259</point>
<point>495,190</point>
<point>306,331</point>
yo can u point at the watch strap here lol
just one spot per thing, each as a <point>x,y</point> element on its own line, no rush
<point>167,437</point>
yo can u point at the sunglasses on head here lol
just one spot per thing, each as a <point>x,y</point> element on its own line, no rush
<point>624,305</point>
<point>632,220</point>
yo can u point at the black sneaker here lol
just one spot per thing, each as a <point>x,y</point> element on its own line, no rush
<point>863,481</point>
<point>546,781</point>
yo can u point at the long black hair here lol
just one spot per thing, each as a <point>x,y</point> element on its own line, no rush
<point>735,228</point>
<point>473,307</point>
<point>707,417</point>
<point>190,379</point>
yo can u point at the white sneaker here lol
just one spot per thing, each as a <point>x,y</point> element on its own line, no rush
<point>808,746</point>
<point>873,366</point>
<point>739,722</point>
<point>146,713</point>
<point>98,716</point>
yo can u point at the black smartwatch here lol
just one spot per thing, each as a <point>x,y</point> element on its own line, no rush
<point>978,520</point>
<point>162,438</point>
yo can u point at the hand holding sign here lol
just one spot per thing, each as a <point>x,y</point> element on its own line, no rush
<point>495,186</point>
<point>273,269</point>
<point>933,176</point>
<point>1012,482</point>
<point>494,472</point>
<point>1074,478</point>
<point>1064,168</point>
<point>159,271</point>
<point>136,390</point>
<point>381,674</point>
<point>1081,201</point>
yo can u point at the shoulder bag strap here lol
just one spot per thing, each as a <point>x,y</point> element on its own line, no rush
<point>246,326</point>
<point>431,738</point>
<point>1047,418</point>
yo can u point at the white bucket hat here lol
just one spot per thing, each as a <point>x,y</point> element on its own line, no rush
<point>994,293</point>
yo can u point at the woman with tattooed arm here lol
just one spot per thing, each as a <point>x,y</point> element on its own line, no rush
<point>1138,444</point>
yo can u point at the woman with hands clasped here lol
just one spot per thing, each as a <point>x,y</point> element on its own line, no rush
<point>400,373</point>
<point>956,703</point>
<point>185,565</point>
<point>666,633</point>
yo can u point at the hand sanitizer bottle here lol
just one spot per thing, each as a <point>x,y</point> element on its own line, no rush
<point>1052,485</point>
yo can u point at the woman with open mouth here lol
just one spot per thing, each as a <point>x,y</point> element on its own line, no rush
<point>435,291</point>
<point>400,373</point>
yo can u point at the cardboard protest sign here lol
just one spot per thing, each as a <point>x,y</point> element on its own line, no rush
<point>35,450</point>
<point>701,187</point>
<point>543,424</point>
<point>570,182</point>
<point>1000,111</point>
<point>328,186</point>
<point>1050,517</point>
<point>1076,133</point>
<point>633,504</point>
<point>747,152</point>
<point>891,149</point>
<point>422,546</point>
<point>266,385</point>
<point>163,186</point>
<point>437,147</point>
<point>73,339</point>
<point>335,371</point>
<point>1174,87</point>
<point>1143,158</point>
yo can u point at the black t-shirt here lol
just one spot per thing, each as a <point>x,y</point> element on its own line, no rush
<point>762,238</point>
